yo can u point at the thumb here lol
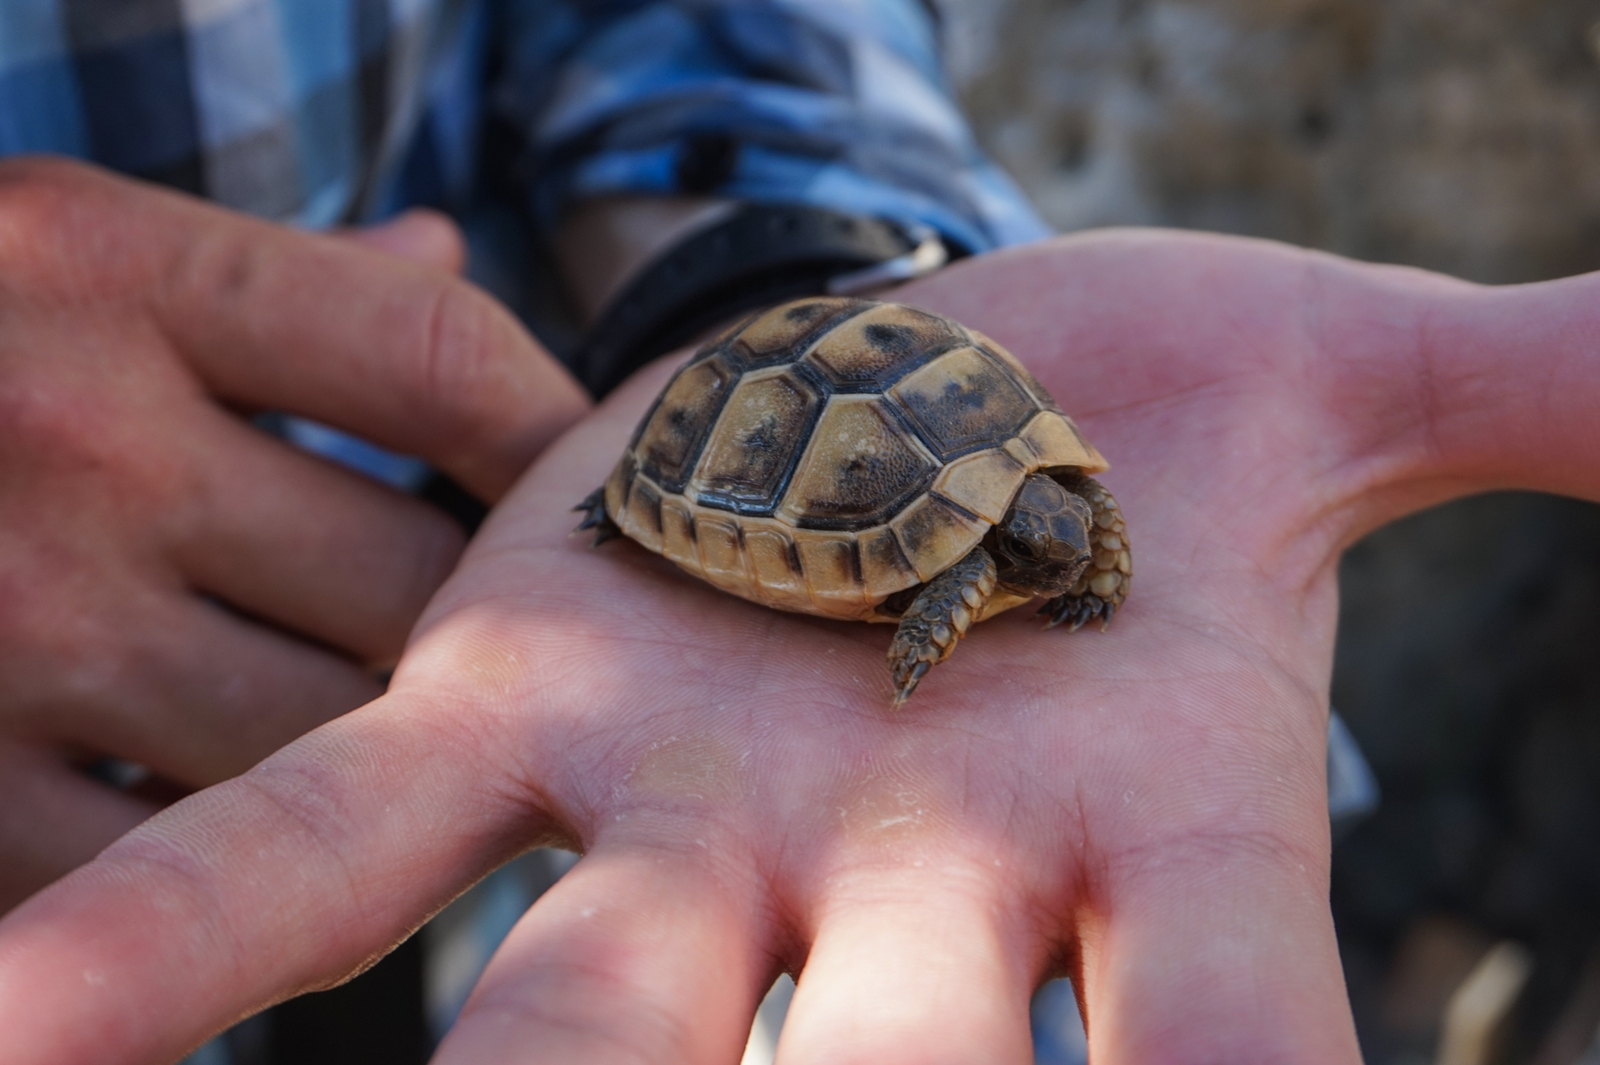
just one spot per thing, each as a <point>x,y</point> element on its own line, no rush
<point>419,235</point>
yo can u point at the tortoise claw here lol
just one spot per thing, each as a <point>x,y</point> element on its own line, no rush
<point>596,518</point>
<point>907,683</point>
<point>1076,611</point>
<point>594,504</point>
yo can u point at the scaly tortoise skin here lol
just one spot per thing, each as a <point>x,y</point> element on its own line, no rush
<point>872,462</point>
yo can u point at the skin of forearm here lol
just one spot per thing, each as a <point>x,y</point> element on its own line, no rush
<point>602,244</point>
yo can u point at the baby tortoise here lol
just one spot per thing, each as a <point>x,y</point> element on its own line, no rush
<point>873,462</point>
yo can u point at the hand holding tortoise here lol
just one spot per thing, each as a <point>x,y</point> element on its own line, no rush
<point>1143,810</point>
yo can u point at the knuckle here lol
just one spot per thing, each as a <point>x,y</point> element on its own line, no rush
<point>77,657</point>
<point>490,394</point>
<point>43,207</point>
<point>31,183</point>
<point>462,357</point>
<point>1203,849</point>
<point>302,800</point>
<point>178,885</point>
<point>572,1000</point>
<point>303,797</point>
<point>65,447</point>
<point>44,423</point>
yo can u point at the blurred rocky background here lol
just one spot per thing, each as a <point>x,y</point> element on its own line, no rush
<point>1462,136</point>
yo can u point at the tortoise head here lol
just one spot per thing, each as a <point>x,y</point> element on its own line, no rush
<point>1041,546</point>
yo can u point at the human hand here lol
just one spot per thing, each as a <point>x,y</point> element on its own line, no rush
<point>177,588</point>
<point>1144,810</point>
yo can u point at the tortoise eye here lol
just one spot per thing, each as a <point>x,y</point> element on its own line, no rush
<point>1024,546</point>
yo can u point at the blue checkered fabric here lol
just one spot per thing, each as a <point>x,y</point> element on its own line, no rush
<point>325,111</point>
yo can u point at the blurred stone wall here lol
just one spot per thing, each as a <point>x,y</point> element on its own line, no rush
<point>1457,135</point>
<point>1460,135</point>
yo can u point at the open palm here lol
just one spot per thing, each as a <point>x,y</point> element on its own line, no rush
<point>1143,810</point>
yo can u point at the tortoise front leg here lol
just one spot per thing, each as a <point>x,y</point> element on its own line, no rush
<point>1103,587</point>
<point>596,517</point>
<point>938,617</point>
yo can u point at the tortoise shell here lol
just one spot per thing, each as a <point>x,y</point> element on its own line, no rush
<point>829,453</point>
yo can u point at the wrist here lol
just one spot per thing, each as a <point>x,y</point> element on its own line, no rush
<point>745,257</point>
<point>603,244</point>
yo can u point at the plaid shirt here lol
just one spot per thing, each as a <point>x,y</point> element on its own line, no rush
<point>325,111</point>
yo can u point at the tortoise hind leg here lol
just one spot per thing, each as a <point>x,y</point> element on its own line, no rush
<point>596,518</point>
<point>1103,587</point>
<point>937,619</point>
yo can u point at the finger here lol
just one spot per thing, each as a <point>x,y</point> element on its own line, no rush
<point>1501,391</point>
<point>292,877</point>
<point>638,954</point>
<point>920,972</point>
<point>425,237</point>
<point>1219,950</point>
<point>309,546</point>
<point>403,355</point>
<point>584,456</point>
<point>192,691</point>
<point>271,317</point>
<point>52,820</point>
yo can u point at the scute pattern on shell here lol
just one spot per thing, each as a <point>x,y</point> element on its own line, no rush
<point>829,453</point>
